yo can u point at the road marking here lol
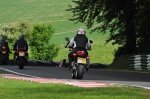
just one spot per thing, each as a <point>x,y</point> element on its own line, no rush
<point>79,83</point>
<point>85,84</point>
<point>18,73</point>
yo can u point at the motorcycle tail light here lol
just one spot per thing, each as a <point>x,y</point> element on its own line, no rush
<point>3,47</point>
<point>21,49</point>
<point>82,53</point>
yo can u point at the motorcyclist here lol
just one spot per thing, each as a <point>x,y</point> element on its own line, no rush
<point>20,43</point>
<point>3,42</point>
<point>79,42</point>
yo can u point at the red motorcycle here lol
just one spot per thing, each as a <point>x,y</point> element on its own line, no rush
<point>21,57</point>
<point>80,63</point>
<point>4,55</point>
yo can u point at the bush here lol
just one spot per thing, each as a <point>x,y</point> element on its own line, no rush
<point>40,46</point>
<point>14,30</point>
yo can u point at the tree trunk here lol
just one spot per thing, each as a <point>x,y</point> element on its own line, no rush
<point>130,30</point>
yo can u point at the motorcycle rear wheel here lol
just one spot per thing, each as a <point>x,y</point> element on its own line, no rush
<point>21,63</point>
<point>79,71</point>
<point>3,59</point>
<point>21,66</point>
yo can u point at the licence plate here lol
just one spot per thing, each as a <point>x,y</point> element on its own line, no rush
<point>3,52</point>
<point>21,53</point>
<point>81,60</point>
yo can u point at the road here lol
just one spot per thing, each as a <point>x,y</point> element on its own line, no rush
<point>102,75</point>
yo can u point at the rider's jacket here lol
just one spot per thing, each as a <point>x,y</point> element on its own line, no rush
<point>79,42</point>
<point>4,43</point>
<point>21,43</point>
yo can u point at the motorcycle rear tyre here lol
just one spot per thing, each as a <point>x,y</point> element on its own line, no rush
<point>21,63</point>
<point>3,60</point>
<point>79,71</point>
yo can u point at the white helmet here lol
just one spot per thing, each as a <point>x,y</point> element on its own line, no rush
<point>81,31</point>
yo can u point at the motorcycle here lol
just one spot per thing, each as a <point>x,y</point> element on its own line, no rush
<point>4,55</point>
<point>80,62</point>
<point>21,57</point>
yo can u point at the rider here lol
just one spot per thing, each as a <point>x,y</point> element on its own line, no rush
<point>79,42</point>
<point>3,42</point>
<point>20,43</point>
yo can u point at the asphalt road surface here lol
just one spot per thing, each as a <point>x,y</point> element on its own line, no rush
<point>102,75</point>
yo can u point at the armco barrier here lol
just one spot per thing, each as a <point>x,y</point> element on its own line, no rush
<point>139,62</point>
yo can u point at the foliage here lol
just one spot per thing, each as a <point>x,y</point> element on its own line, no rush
<point>123,18</point>
<point>52,12</point>
<point>40,47</point>
<point>109,15</point>
<point>14,30</point>
<point>143,26</point>
<point>38,39</point>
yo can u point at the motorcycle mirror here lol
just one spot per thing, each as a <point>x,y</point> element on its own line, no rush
<point>91,41</point>
<point>67,39</point>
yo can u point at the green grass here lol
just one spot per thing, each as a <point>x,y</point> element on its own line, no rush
<point>46,11</point>
<point>100,53</point>
<point>15,89</point>
<point>53,12</point>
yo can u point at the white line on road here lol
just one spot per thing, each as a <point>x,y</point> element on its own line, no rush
<point>19,73</point>
<point>66,83</point>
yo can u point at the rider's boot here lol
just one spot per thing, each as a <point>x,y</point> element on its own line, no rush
<point>70,65</point>
<point>87,67</point>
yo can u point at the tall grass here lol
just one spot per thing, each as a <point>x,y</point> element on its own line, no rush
<point>53,12</point>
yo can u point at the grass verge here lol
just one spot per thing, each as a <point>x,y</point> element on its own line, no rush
<point>14,89</point>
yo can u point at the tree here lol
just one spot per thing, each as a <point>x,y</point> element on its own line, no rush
<point>143,26</point>
<point>40,46</point>
<point>120,17</point>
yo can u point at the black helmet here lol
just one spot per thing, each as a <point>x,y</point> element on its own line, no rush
<point>3,38</point>
<point>21,36</point>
